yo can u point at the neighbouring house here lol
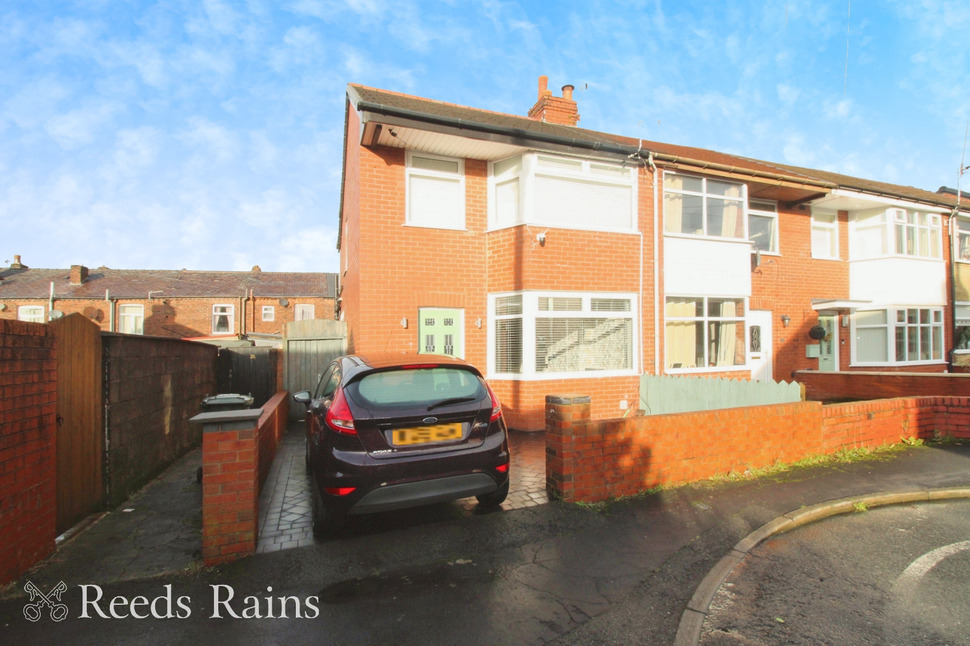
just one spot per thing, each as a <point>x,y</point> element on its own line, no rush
<point>563,260</point>
<point>182,304</point>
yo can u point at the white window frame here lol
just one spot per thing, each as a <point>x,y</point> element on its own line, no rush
<point>961,238</point>
<point>706,321</point>
<point>892,227</point>
<point>767,213</point>
<point>892,325</point>
<point>707,197</point>
<point>230,311</point>
<point>131,315</point>
<point>582,308</point>
<point>830,230</point>
<point>32,314</point>
<point>455,218</point>
<point>300,311</point>
<point>269,313</point>
<point>926,228</point>
<point>533,167</point>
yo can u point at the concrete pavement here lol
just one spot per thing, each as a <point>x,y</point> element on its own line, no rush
<point>622,573</point>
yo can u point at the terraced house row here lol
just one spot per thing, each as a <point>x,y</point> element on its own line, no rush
<point>561,260</point>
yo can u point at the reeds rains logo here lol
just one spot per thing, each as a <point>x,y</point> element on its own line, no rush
<point>39,601</point>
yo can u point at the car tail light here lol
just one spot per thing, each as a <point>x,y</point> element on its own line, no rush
<point>339,491</point>
<point>503,468</point>
<point>496,406</point>
<point>339,417</point>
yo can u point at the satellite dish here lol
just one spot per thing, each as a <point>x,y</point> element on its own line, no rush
<point>56,314</point>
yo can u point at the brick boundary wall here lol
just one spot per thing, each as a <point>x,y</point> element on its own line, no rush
<point>28,453</point>
<point>591,460</point>
<point>238,448</point>
<point>866,385</point>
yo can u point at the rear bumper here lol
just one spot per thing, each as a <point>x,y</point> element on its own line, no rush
<point>424,492</point>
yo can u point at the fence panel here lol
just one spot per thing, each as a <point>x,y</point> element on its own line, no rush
<point>666,395</point>
<point>309,346</point>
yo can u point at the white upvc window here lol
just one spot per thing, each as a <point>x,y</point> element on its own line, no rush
<point>223,319</point>
<point>825,234</point>
<point>565,192</point>
<point>131,319</point>
<point>763,226</point>
<point>31,313</point>
<point>898,336</point>
<point>900,233</point>
<point>304,311</point>
<point>961,239</point>
<point>961,338</point>
<point>546,335</point>
<point>269,313</point>
<point>703,206</point>
<point>435,191</point>
<point>704,333</point>
<point>917,233</point>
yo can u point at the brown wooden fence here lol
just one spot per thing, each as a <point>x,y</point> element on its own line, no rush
<point>79,419</point>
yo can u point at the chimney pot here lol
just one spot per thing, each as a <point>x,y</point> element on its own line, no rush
<point>544,86</point>
<point>567,92</point>
<point>16,264</point>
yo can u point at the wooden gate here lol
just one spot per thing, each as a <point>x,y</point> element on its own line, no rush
<point>80,440</point>
<point>247,371</point>
<point>309,346</point>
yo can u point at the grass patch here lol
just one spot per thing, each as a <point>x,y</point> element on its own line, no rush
<point>945,439</point>
<point>860,507</point>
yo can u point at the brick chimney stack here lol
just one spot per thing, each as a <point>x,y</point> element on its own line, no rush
<point>555,109</point>
<point>79,274</point>
<point>16,264</point>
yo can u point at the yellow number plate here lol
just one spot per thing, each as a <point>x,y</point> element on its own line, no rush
<point>425,434</point>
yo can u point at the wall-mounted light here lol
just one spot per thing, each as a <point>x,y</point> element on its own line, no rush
<point>404,322</point>
<point>785,320</point>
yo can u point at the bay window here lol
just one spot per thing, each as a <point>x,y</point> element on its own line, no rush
<point>703,332</point>
<point>903,335</point>
<point>557,334</point>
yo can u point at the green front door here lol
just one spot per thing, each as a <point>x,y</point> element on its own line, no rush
<point>440,331</point>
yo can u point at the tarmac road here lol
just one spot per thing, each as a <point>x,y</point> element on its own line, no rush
<point>896,576</point>
<point>551,574</point>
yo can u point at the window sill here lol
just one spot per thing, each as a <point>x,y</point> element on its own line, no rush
<point>434,226</point>
<point>551,376</point>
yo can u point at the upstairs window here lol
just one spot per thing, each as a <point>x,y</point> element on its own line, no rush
<point>269,313</point>
<point>435,191</point>
<point>31,313</point>
<point>898,232</point>
<point>961,239</point>
<point>223,317</point>
<point>131,319</point>
<point>567,192</point>
<point>304,311</point>
<point>763,226</point>
<point>703,207</point>
<point>825,235</point>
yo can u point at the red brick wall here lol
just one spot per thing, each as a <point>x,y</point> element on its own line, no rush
<point>236,458</point>
<point>28,470</point>
<point>590,460</point>
<point>184,317</point>
<point>859,385</point>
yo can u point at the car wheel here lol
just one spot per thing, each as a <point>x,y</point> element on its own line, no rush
<point>325,522</point>
<point>495,498</point>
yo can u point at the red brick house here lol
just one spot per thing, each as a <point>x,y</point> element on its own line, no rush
<point>180,304</point>
<point>560,260</point>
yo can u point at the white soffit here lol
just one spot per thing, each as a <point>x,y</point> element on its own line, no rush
<point>819,304</point>
<point>841,199</point>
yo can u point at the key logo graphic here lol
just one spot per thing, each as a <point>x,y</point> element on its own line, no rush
<point>39,601</point>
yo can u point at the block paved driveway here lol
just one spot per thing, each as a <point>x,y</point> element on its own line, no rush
<point>284,505</point>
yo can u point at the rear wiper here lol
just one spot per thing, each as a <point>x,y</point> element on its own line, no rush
<point>453,400</point>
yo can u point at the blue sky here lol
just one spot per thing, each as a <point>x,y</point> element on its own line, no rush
<point>206,134</point>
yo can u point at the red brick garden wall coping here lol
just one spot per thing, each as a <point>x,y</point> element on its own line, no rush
<point>591,460</point>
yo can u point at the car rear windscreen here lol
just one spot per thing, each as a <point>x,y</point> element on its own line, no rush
<point>418,386</point>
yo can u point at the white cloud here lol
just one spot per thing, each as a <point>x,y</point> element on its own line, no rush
<point>210,140</point>
<point>79,127</point>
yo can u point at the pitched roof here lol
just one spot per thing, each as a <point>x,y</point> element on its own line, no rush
<point>489,121</point>
<point>137,283</point>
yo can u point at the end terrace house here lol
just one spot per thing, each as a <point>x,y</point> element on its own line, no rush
<point>169,303</point>
<point>564,260</point>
